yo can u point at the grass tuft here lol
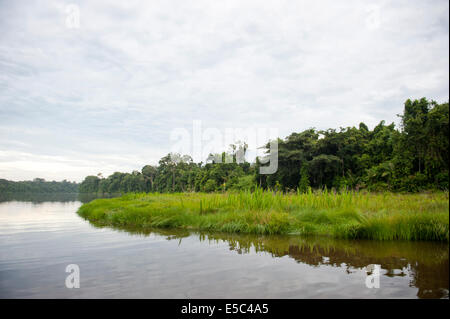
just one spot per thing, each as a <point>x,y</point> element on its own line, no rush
<point>381,216</point>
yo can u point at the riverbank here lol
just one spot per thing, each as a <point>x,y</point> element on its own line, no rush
<point>385,216</point>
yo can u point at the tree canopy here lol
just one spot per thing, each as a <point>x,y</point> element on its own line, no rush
<point>411,158</point>
<point>38,185</point>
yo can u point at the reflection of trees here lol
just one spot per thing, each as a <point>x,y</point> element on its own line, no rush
<point>39,197</point>
<point>426,263</point>
<point>52,197</point>
<point>430,280</point>
<point>430,276</point>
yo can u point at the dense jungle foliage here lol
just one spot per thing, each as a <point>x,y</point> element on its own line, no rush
<point>411,158</point>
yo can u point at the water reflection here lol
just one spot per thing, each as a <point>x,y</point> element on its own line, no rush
<point>52,197</point>
<point>425,263</point>
<point>40,237</point>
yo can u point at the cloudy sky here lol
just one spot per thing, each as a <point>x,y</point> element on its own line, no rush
<point>103,93</point>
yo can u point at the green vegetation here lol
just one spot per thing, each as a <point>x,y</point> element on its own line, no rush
<point>38,185</point>
<point>412,159</point>
<point>381,216</point>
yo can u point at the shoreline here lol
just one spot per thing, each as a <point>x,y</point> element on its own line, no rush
<point>351,215</point>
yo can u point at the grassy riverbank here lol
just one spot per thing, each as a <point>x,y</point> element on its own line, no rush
<point>385,216</point>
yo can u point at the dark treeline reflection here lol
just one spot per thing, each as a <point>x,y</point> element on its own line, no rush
<point>86,198</point>
<point>52,197</point>
<point>426,263</point>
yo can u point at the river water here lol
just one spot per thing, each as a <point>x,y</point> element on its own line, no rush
<point>40,236</point>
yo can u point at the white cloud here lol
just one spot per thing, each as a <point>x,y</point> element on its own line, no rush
<point>135,70</point>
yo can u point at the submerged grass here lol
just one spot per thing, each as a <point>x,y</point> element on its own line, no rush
<point>381,216</point>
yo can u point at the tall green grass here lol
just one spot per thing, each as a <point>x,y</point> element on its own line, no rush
<point>380,216</point>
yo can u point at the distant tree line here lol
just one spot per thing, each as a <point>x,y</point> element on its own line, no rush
<point>412,158</point>
<point>38,185</point>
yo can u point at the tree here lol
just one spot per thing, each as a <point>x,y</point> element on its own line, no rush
<point>303,185</point>
<point>149,172</point>
<point>89,184</point>
<point>324,168</point>
<point>413,158</point>
<point>414,120</point>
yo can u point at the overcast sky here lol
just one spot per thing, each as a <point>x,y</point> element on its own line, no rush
<point>105,96</point>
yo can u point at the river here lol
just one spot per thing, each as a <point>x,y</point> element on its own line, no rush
<point>40,236</point>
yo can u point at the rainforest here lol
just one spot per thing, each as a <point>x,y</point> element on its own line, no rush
<point>380,184</point>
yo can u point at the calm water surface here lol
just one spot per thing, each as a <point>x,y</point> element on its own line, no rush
<point>39,238</point>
